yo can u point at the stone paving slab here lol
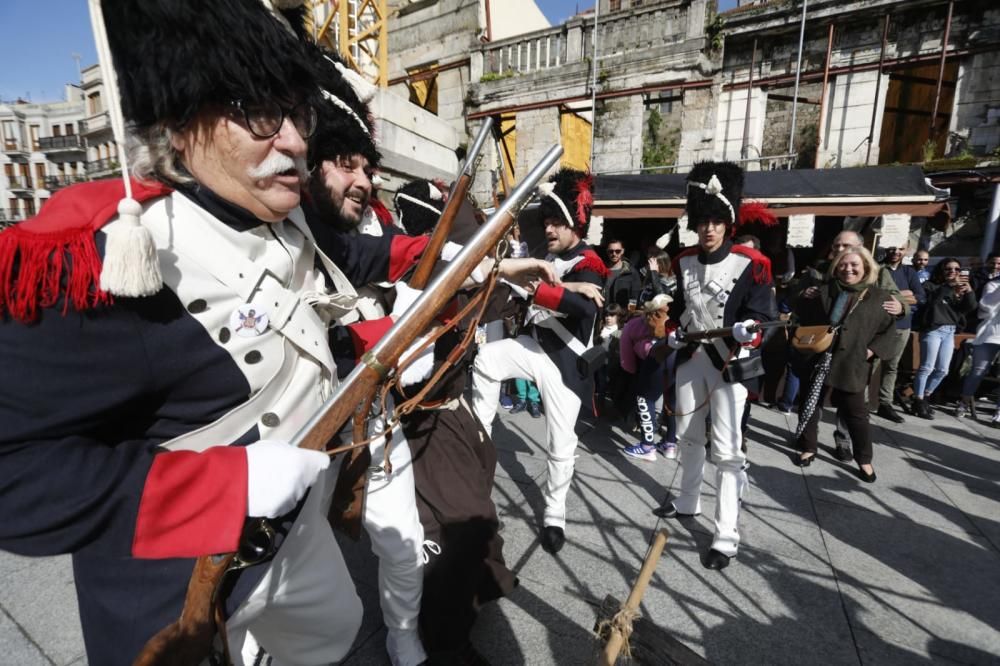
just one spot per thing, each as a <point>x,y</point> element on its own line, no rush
<point>830,570</point>
<point>40,598</point>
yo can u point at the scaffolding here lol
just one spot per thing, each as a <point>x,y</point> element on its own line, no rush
<point>358,30</point>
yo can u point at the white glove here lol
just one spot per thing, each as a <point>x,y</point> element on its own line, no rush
<point>450,250</point>
<point>741,332</point>
<point>278,475</point>
<point>405,297</point>
<point>675,340</point>
<point>421,367</point>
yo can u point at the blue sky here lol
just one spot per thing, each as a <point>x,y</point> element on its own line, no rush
<point>39,40</point>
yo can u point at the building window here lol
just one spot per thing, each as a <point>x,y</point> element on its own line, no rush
<point>56,130</point>
<point>29,207</point>
<point>69,129</point>
<point>615,5</point>
<point>34,137</point>
<point>94,103</point>
<point>423,88</point>
<point>39,176</point>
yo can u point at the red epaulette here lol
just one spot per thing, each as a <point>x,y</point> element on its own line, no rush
<point>591,262</point>
<point>54,254</point>
<point>675,265</point>
<point>760,264</point>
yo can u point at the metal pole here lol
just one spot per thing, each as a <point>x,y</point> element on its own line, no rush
<point>944,55</point>
<point>878,89</point>
<point>798,73</point>
<point>593,84</point>
<point>746,117</point>
<point>990,237</point>
<point>822,96</point>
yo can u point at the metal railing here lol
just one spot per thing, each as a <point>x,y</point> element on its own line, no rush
<point>9,216</point>
<point>13,146</point>
<point>102,165</point>
<point>57,182</point>
<point>70,142</point>
<point>17,183</point>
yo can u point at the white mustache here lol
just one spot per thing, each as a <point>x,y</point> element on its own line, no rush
<point>278,162</point>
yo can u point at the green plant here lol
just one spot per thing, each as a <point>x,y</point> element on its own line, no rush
<point>714,33</point>
<point>929,150</point>
<point>658,150</point>
<point>497,76</point>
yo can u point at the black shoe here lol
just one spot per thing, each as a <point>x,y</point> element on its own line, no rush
<point>716,560</point>
<point>867,478</point>
<point>553,539</point>
<point>669,511</point>
<point>519,406</point>
<point>535,410</point>
<point>842,453</point>
<point>890,414</point>
<point>922,409</point>
<point>804,462</point>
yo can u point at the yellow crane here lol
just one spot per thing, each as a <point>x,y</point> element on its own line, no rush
<point>356,29</point>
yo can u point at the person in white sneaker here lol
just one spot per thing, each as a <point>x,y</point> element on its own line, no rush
<point>639,337</point>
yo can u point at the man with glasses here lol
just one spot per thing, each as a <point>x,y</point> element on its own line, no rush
<point>161,351</point>
<point>624,283</point>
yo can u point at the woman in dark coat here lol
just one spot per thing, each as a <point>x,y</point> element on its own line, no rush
<point>850,301</point>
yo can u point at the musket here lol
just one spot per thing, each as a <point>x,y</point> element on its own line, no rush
<point>349,492</point>
<point>422,273</point>
<point>189,639</point>
<point>696,336</point>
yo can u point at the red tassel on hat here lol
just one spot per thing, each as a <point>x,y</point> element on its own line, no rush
<point>755,211</point>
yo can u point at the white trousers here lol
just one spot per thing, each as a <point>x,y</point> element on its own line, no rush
<point>393,525</point>
<point>522,357</point>
<point>700,383</point>
<point>305,609</point>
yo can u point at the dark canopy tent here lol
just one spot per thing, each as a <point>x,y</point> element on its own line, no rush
<point>867,192</point>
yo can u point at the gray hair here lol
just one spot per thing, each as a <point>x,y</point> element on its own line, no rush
<point>153,156</point>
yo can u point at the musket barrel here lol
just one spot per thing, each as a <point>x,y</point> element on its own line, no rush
<point>477,146</point>
<point>328,420</point>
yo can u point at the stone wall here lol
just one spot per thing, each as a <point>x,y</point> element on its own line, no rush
<point>618,134</point>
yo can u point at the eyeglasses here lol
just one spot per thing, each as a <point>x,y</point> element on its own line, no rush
<point>947,269</point>
<point>264,119</point>
<point>615,251</point>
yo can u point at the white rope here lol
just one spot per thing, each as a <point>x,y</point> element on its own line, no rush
<point>344,106</point>
<point>111,84</point>
<point>714,187</point>
<point>549,190</point>
<point>430,548</point>
<point>414,200</point>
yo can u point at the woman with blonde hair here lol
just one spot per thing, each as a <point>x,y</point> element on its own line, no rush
<point>850,302</point>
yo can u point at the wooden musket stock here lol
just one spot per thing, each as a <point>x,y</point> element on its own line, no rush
<point>186,641</point>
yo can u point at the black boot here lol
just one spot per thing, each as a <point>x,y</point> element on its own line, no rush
<point>922,409</point>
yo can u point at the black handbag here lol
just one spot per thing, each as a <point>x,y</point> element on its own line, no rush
<point>742,369</point>
<point>591,360</point>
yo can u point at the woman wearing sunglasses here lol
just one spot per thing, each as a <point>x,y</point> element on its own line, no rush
<point>949,299</point>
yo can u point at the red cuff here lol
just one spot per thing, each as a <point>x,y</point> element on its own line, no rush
<point>365,334</point>
<point>404,252</point>
<point>549,296</point>
<point>757,339</point>
<point>193,504</point>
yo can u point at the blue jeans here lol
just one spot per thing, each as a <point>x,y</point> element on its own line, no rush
<point>787,400</point>
<point>982,359</point>
<point>936,348</point>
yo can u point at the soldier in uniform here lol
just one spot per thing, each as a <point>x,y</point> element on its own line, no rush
<point>159,353</point>
<point>719,284</point>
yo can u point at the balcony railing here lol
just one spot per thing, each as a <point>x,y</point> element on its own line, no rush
<point>18,183</point>
<point>56,143</point>
<point>101,166</point>
<point>9,215</point>
<point>620,33</point>
<point>13,146</point>
<point>95,123</point>
<point>53,183</point>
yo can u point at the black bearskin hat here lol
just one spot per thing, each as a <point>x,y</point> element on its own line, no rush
<point>345,124</point>
<point>419,205</point>
<point>175,57</point>
<point>714,192</point>
<point>568,196</point>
